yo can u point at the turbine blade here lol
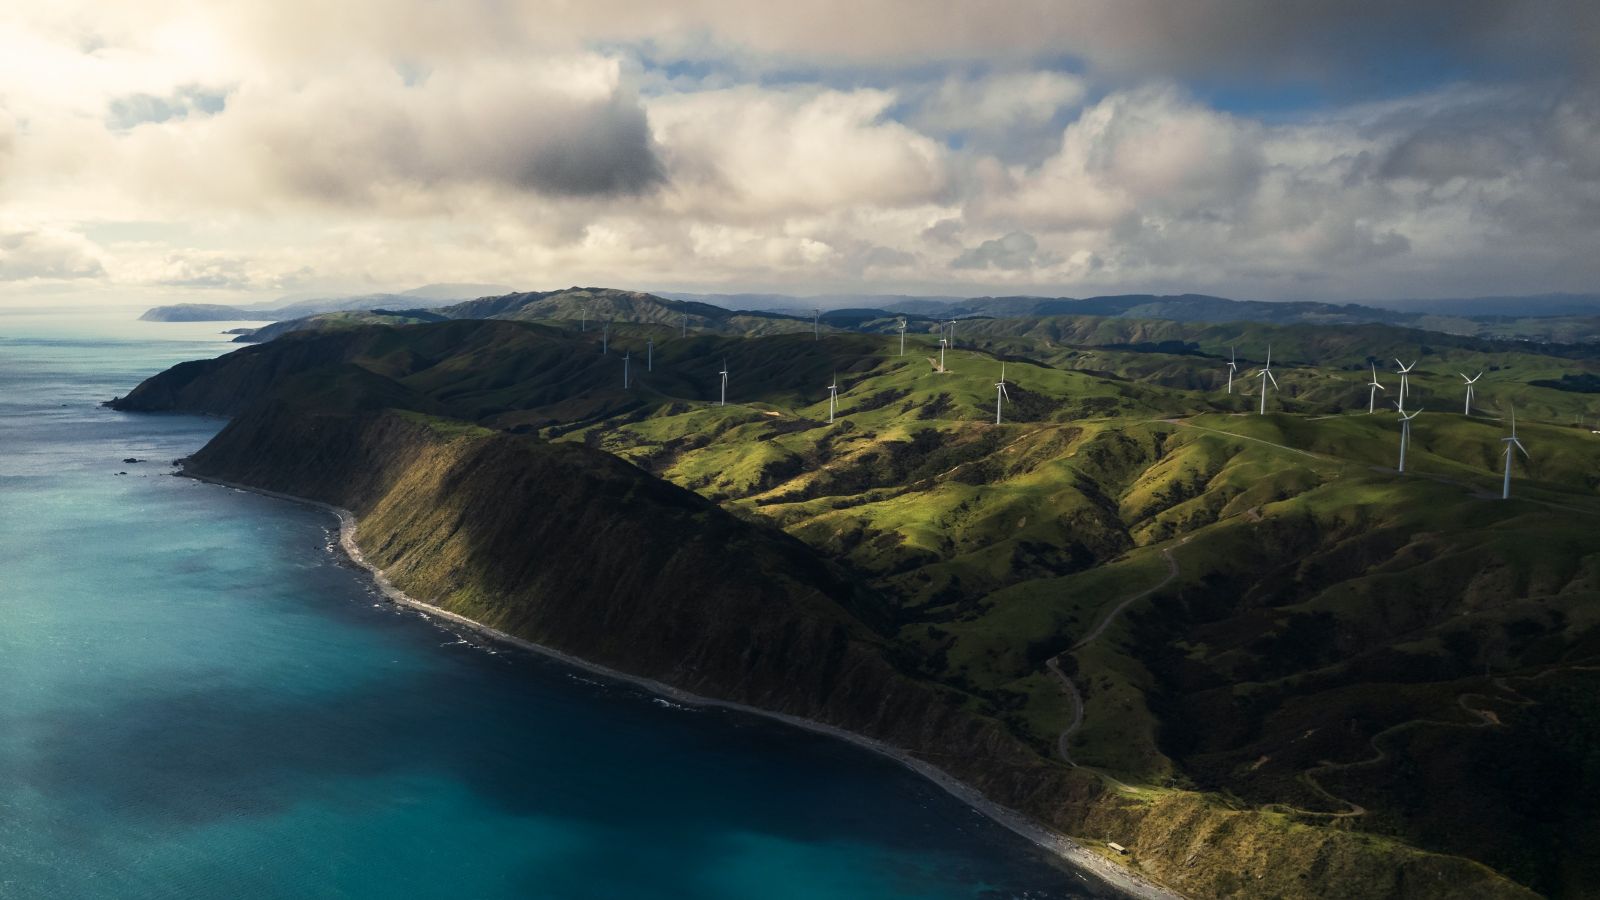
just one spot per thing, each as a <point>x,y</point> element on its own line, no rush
<point>1273,377</point>
<point>1522,448</point>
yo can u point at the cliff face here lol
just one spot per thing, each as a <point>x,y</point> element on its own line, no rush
<point>573,548</point>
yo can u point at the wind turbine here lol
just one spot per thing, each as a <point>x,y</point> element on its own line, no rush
<point>942,343</point>
<point>1233,366</point>
<point>1505,487</point>
<point>583,321</point>
<point>833,396</point>
<point>1264,374</point>
<point>1000,393</point>
<point>724,374</point>
<point>1405,433</point>
<point>1470,382</point>
<point>816,324</point>
<point>952,327</point>
<point>626,359</point>
<point>685,325</point>
<point>650,356</point>
<point>902,337</point>
<point>605,339</point>
<point>1405,382</point>
<point>1372,395</point>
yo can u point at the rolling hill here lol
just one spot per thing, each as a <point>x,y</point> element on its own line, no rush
<point>1241,644</point>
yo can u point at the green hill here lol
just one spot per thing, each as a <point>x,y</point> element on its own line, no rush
<point>1242,644</point>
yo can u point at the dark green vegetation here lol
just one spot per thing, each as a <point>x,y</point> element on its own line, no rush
<point>1302,674</point>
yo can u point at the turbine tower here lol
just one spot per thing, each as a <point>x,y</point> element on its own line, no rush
<point>1233,366</point>
<point>1505,486</point>
<point>816,324</point>
<point>605,339</point>
<point>650,356</point>
<point>833,397</point>
<point>1405,382</point>
<point>902,336</point>
<point>1405,434</point>
<point>1000,393</point>
<point>1372,395</point>
<point>724,374</point>
<point>583,322</point>
<point>685,325</point>
<point>626,359</point>
<point>1265,374</point>
<point>952,327</point>
<point>942,343</point>
<point>1470,382</point>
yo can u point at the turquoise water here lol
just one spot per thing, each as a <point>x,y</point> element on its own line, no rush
<point>200,698</point>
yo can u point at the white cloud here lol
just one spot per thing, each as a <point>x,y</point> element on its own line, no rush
<point>748,153</point>
<point>49,254</point>
<point>1000,103</point>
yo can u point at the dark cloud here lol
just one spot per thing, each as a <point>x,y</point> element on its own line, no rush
<point>1017,250</point>
<point>593,149</point>
<point>353,141</point>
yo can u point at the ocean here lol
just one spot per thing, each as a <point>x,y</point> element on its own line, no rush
<point>200,697</point>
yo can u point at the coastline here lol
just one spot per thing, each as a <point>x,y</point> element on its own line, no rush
<point>1061,846</point>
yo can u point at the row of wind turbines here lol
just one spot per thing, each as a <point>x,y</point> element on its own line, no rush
<point>1404,371</point>
<point>1003,395</point>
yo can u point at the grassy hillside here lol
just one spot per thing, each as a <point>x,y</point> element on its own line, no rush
<point>1243,641</point>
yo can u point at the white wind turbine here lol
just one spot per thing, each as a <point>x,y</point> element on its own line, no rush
<point>952,327</point>
<point>942,343</point>
<point>650,356</point>
<point>1265,374</point>
<point>816,324</point>
<point>724,374</point>
<point>1233,366</point>
<point>1372,395</point>
<point>833,397</point>
<point>902,336</point>
<point>1000,393</point>
<point>605,339</point>
<point>1470,382</point>
<point>685,325</point>
<point>1505,486</point>
<point>627,358</point>
<point>1405,433</point>
<point>1405,382</point>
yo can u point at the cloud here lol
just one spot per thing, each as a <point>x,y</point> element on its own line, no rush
<point>999,103</point>
<point>750,152</point>
<point>1132,154</point>
<point>373,137</point>
<point>46,254</point>
<point>7,140</point>
<point>1060,146</point>
<point>1017,250</point>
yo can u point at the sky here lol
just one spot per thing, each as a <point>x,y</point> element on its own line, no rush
<point>1322,149</point>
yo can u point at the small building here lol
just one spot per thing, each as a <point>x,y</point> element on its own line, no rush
<point>1117,847</point>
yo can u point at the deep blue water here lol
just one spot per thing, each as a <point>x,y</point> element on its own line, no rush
<point>200,698</point>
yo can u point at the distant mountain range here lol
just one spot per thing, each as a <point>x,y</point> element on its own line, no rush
<point>425,297</point>
<point>1551,318</point>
